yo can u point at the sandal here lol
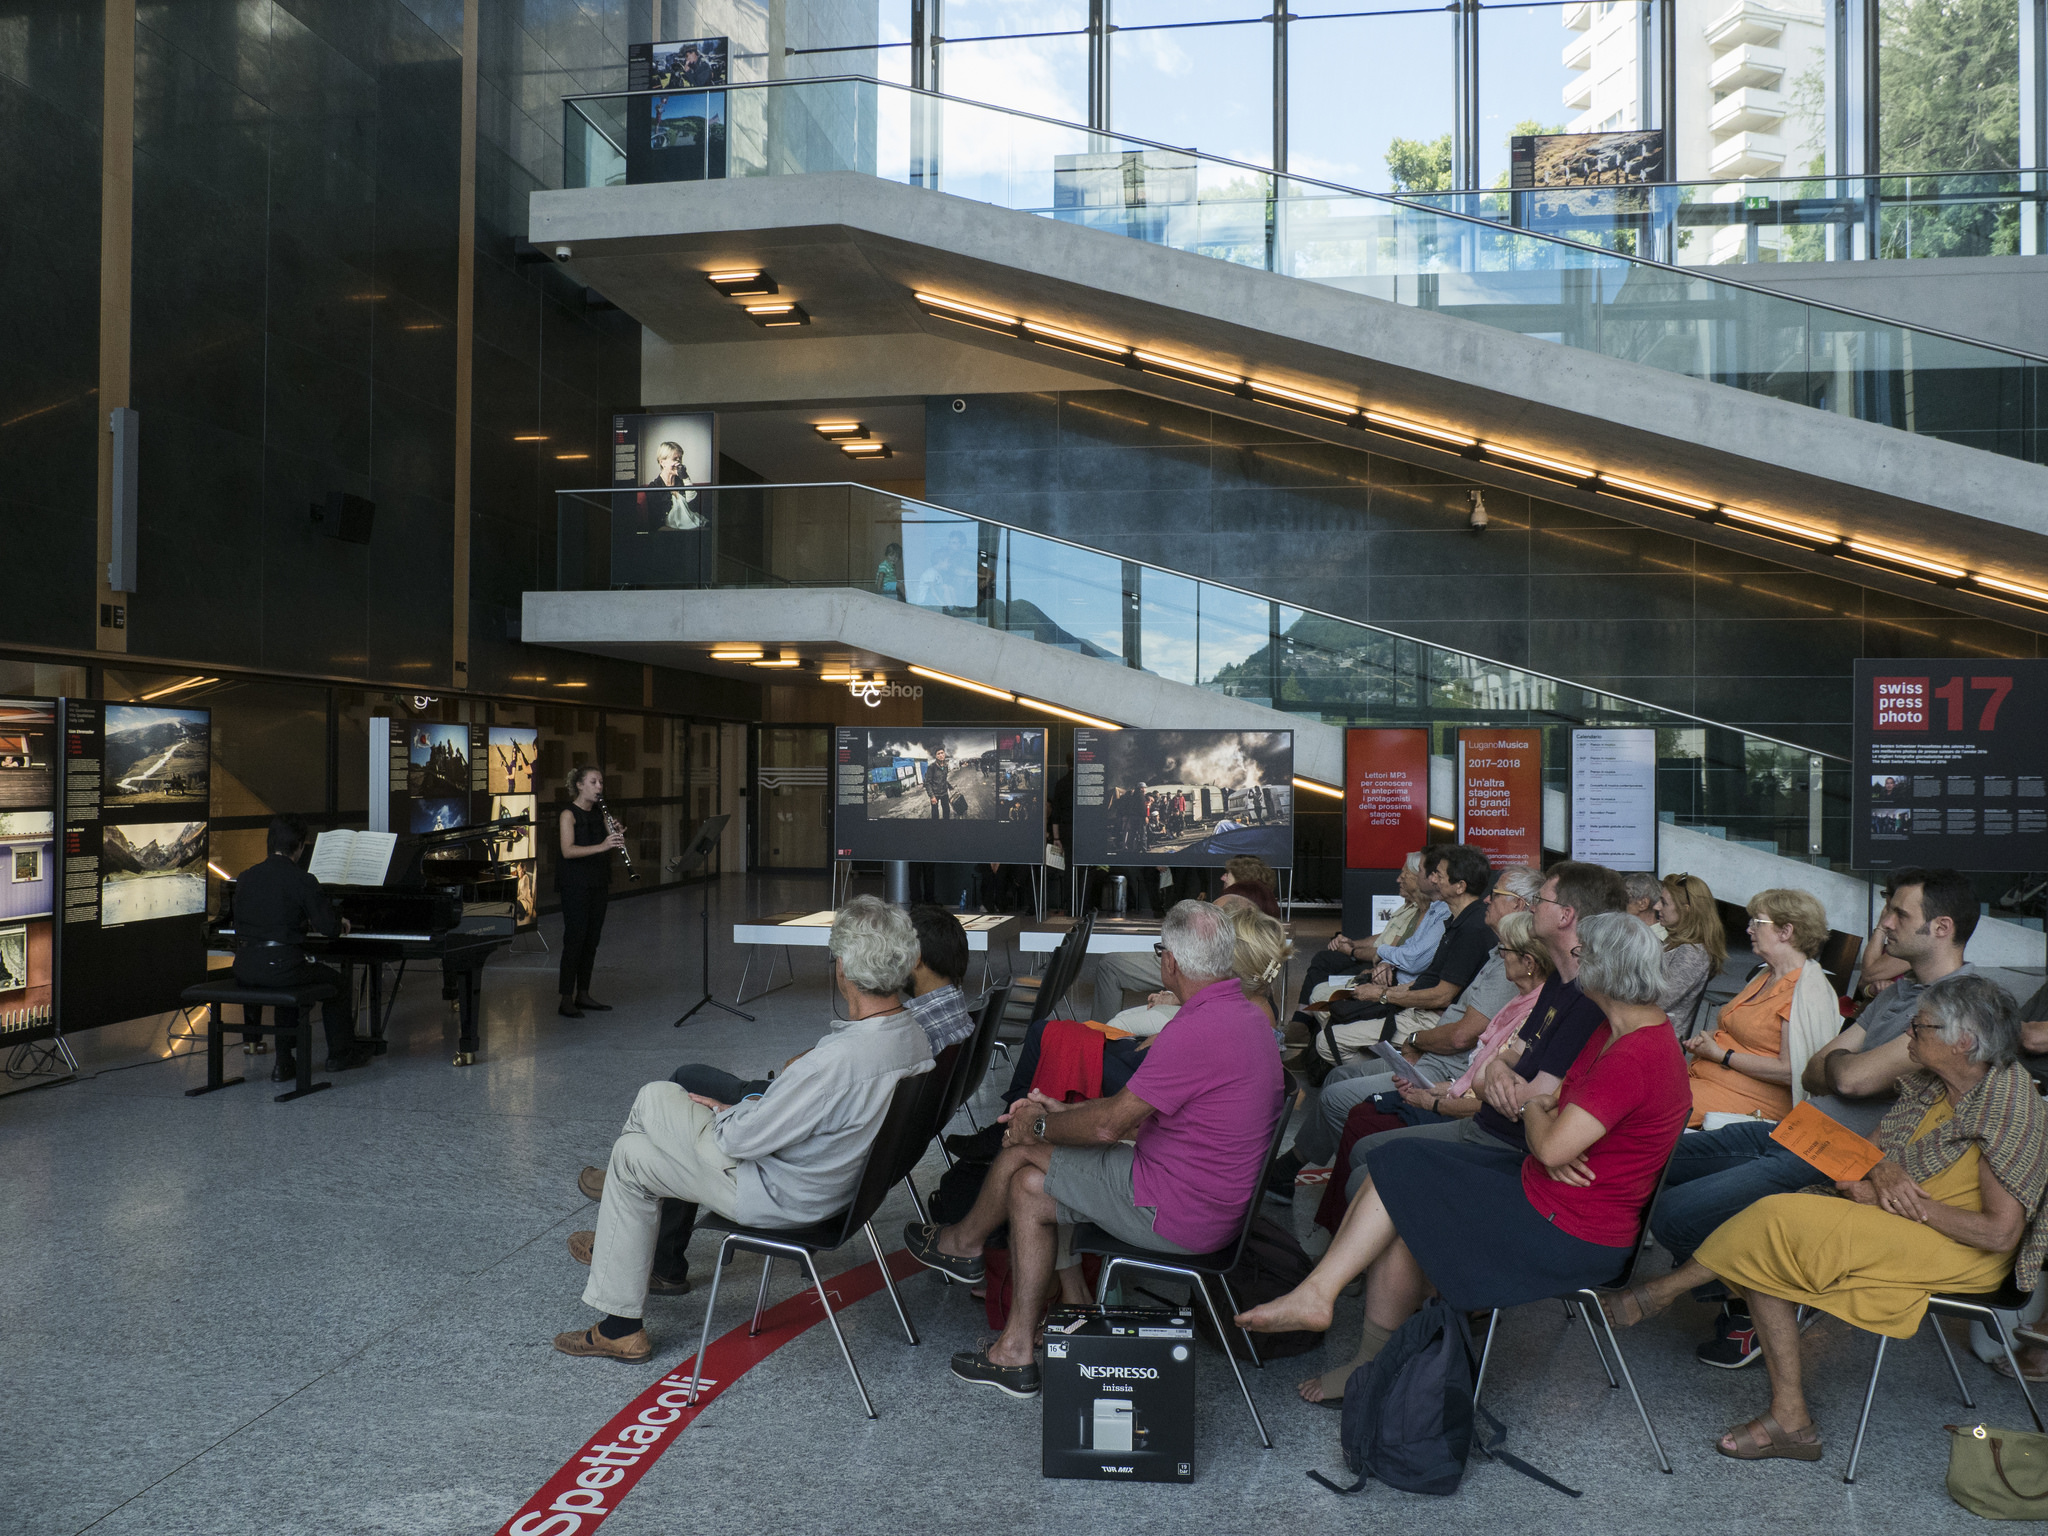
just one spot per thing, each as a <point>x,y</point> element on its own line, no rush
<point>1776,1443</point>
<point>2036,1376</point>
<point>1633,1296</point>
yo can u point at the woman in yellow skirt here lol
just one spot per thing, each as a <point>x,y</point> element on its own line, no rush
<point>1956,1199</point>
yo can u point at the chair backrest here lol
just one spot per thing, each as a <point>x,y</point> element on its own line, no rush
<point>1628,1270</point>
<point>1251,1209</point>
<point>905,1125</point>
<point>1064,966</point>
<point>981,1047</point>
<point>1838,956</point>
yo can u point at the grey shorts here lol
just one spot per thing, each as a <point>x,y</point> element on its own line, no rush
<point>1094,1184</point>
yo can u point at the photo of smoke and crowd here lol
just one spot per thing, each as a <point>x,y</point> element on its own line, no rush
<point>1183,798</point>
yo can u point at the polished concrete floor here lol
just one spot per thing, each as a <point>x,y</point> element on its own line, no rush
<point>225,1314</point>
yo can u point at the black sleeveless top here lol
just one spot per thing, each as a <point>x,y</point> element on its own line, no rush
<point>593,872</point>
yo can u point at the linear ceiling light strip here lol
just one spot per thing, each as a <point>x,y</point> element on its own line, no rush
<point>1916,567</point>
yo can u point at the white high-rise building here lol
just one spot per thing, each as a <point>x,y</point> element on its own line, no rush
<point>1741,113</point>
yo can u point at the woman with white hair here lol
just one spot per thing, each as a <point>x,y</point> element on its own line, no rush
<point>1956,1205</point>
<point>1489,1228</point>
<point>1417,924</point>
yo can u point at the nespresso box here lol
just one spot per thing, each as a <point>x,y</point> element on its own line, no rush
<point>1119,1394</point>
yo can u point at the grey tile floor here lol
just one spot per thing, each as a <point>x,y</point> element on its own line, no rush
<point>225,1314</point>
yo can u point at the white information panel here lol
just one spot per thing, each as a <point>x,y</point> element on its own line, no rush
<point>1614,798</point>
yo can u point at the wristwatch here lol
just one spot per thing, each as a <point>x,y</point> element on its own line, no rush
<point>1038,1128</point>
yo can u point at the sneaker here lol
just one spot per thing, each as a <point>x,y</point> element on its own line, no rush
<point>1733,1345</point>
<point>974,1365</point>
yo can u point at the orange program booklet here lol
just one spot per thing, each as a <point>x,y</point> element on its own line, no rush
<point>1826,1143</point>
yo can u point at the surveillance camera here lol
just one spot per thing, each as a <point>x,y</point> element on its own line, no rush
<point>959,406</point>
<point>1478,518</point>
<point>562,253</point>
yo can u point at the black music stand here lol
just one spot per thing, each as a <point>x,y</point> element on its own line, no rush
<point>691,858</point>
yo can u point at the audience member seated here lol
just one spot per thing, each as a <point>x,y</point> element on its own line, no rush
<point>1089,1060</point>
<point>1137,971</point>
<point>935,1000</point>
<point>1644,891</point>
<point>1956,1200</point>
<point>1750,1063</point>
<point>1486,1226</point>
<point>1528,967</point>
<point>1695,948</point>
<point>1417,923</point>
<point>1384,1007</point>
<point>1715,1175</point>
<point>1440,1053</point>
<point>791,1156</point>
<point>1168,1163</point>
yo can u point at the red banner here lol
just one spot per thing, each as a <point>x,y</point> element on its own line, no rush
<point>1386,796</point>
<point>1500,795</point>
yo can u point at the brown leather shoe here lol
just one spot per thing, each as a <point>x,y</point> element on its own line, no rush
<point>581,1243</point>
<point>634,1347</point>
<point>591,1182</point>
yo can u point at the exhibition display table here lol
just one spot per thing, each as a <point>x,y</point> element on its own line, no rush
<point>813,930</point>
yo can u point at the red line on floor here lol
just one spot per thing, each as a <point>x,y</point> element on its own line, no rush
<point>593,1482</point>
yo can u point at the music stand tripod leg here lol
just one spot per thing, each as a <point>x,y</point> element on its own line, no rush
<point>704,969</point>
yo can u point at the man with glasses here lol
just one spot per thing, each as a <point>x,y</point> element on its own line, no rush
<point>1928,919</point>
<point>1440,1054</point>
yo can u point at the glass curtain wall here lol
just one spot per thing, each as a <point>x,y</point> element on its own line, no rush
<point>1367,94</point>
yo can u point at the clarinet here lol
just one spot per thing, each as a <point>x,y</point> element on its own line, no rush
<point>611,824</point>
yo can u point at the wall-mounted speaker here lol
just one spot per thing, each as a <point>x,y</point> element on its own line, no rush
<point>344,517</point>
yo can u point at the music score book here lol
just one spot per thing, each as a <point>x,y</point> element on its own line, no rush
<point>1826,1143</point>
<point>343,857</point>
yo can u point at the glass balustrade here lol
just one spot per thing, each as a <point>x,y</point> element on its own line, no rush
<point>1719,779</point>
<point>1467,259</point>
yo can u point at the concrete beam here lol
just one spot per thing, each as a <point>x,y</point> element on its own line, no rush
<point>670,628</point>
<point>854,247</point>
<point>834,368</point>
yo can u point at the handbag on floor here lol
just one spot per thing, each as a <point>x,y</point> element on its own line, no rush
<point>2000,1474</point>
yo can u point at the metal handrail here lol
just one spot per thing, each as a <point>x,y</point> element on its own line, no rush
<point>1490,226</point>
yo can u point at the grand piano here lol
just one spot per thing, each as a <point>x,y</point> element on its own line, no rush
<point>437,904</point>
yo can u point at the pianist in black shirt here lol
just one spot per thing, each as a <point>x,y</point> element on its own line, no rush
<point>277,904</point>
<point>583,876</point>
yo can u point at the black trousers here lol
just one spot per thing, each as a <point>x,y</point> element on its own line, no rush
<point>274,967</point>
<point>582,926</point>
<point>679,1217</point>
<point>942,807</point>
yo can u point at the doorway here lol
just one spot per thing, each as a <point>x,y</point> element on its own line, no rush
<point>793,798</point>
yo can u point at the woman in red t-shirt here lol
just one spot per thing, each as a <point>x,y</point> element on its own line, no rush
<point>1452,1208</point>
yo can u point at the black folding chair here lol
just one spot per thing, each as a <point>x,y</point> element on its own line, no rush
<point>945,1073</point>
<point>1979,1309</point>
<point>1044,993</point>
<point>1587,1302</point>
<point>981,1049</point>
<point>898,1144</point>
<point>1196,1269</point>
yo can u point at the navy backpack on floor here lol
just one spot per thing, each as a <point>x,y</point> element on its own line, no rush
<point>1408,1412</point>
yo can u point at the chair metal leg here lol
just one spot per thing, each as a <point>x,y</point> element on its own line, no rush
<point>1202,1288</point>
<point>1104,1277</point>
<point>1485,1356</point>
<point>826,1302</point>
<point>2005,1342</point>
<point>1586,1317</point>
<point>916,1200</point>
<point>1592,1299</point>
<point>1251,1346</point>
<point>761,1295</point>
<point>704,1338</point>
<point>889,1283</point>
<point>1863,1423</point>
<point>1948,1351</point>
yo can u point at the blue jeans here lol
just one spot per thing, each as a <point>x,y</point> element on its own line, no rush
<point>1718,1174</point>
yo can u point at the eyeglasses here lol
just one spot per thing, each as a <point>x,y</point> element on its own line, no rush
<point>1917,1027</point>
<point>1159,950</point>
<point>1550,901</point>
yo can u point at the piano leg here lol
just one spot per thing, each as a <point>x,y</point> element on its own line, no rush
<point>467,984</point>
<point>377,1006</point>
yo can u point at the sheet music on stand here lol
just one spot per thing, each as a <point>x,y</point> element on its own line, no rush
<point>343,857</point>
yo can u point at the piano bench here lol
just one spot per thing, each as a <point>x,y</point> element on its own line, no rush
<point>292,1013</point>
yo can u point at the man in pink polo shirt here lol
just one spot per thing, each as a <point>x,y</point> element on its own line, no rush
<point>1201,1110</point>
